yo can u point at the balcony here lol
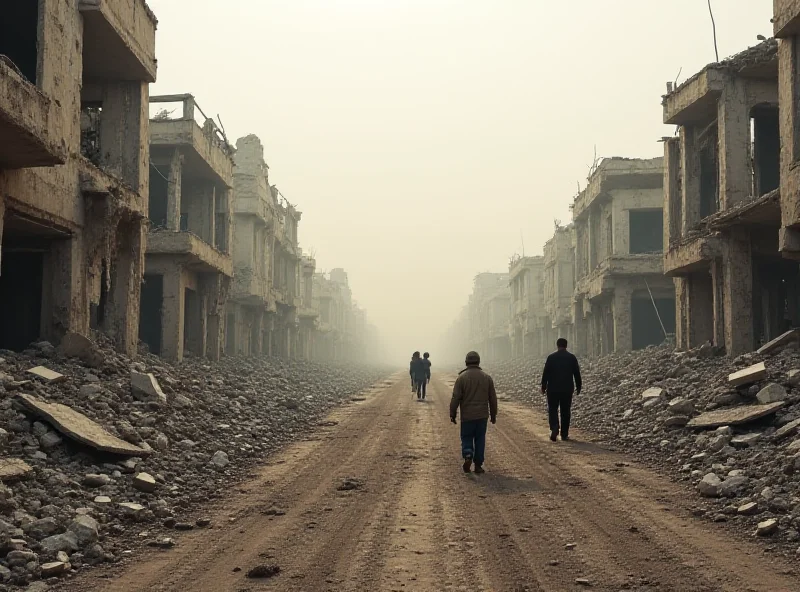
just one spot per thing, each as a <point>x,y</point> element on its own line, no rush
<point>96,182</point>
<point>119,40</point>
<point>207,154</point>
<point>30,138</point>
<point>249,287</point>
<point>196,254</point>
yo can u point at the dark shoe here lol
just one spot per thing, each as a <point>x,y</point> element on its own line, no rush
<point>565,438</point>
<point>467,464</point>
<point>553,436</point>
<point>479,469</point>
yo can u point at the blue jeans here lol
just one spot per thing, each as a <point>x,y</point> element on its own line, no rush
<point>473,439</point>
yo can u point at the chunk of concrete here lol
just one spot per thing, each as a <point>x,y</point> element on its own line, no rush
<point>680,406</point>
<point>54,569</point>
<point>748,375</point>
<point>676,421</point>
<point>710,485</point>
<point>145,387</point>
<point>653,392</point>
<point>790,429</point>
<point>748,509</point>
<point>67,542</point>
<point>745,440</point>
<point>144,482</point>
<point>85,529</point>
<point>79,427</point>
<point>47,375</point>
<point>735,416</point>
<point>13,468</point>
<point>733,485</point>
<point>767,527</point>
<point>778,342</point>
<point>772,393</point>
<point>75,345</point>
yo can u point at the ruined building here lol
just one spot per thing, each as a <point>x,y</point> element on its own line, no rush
<point>307,313</point>
<point>489,313</point>
<point>251,308</point>
<point>722,202</point>
<point>529,321</point>
<point>622,299</point>
<point>786,21</point>
<point>189,264</point>
<point>334,301</point>
<point>559,284</point>
<point>73,167</point>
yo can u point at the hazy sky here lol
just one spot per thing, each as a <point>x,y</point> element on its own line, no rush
<point>424,139</point>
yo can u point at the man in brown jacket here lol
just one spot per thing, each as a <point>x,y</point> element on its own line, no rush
<point>474,393</point>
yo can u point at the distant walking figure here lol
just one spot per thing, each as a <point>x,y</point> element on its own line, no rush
<point>560,369</point>
<point>426,358</point>
<point>418,375</point>
<point>411,373</point>
<point>474,394</point>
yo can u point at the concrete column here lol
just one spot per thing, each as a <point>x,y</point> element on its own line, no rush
<point>200,211</point>
<point>681,312</point>
<point>66,285</point>
<point>174,191</point>
<point>623,331</point>
<point>718,310</point>
<point>127,286</point>
<point>673,202</point>
<point>214,328</point>
<point>735,169</point>
<point>124,132</point>
<point>690,181</point>
<point>700,309</point>
<point>172,311</point>
<point>738,292</point>
<point>789,114</point>
<point>258,330</point>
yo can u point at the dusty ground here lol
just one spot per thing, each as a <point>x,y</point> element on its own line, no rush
<point>416,522</point>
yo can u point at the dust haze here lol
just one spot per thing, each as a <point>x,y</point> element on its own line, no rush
<point>426,142</point>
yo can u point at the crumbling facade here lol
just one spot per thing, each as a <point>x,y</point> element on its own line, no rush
<point>307,313</point>
<point>73,167</point>
<point>723,207</point>
<point>334,301</point>
<point>786,23</point>
<point>529,326</point>
<point>559,284</point>
<point>489,313</point>
<point>189,264</point>
<point>622,300</point>
<point>251,308</point>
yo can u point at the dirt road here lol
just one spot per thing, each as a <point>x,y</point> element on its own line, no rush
<point>543,517</point>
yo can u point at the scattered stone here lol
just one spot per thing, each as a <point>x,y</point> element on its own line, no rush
<point>76,425</point>
<point>162,543</point>
<point>680,406</point>
<point>736,416</point>
<point>790,429</point>
<point>102,499</point>
<point>583,582</point>
<point>676,421</point>
<point>67,542</point>
<point>13,468</point>
<point>749,375</point>
<point>94,480</point>
<point>349,484</point>
<point>653,392</point>
<point>42,528</point>
<point>767,527</point>
<point>74,345</point>
<point>145,387</point>
<point>778,342</point>
<point>50,440</point>
<point>710,485</point>
<point>264,571</point>
<point>745,440</point>
<point>54,569</point>
<point>203,522</point>
<point>47,375</point>
<point>772,393</point>
<point>85,529</point>
<point>220,459</point>
<point>145,482</point>
<point>748,509</point>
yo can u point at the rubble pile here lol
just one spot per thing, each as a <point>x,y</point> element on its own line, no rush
<point>730,428</point>
<point>98,448</point>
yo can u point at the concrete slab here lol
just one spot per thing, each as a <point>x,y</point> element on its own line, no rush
<point>780,341</point>
<point>735,416</point>
<point>79,427</point>
<point>47,375</point>
<point>653,392</point>
<point>748,375</point>
<point>13,468</point>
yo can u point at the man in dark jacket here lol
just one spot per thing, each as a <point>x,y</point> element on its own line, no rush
<point>557,381</point>
<point>426,358</point>
<point>474,394</point>
<point>419,375</point>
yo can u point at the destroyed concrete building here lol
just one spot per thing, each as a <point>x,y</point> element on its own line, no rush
<point>489,314</point>
<point>333,299</point>
<point>529,325</point>
<point>307,313</point>
<point>786,23</point>
<point>559,284</point>
<point>622,300</point>
<point>189,263</point>
<point>723,207</point>
<point>73,167</point>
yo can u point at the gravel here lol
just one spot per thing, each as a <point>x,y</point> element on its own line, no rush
<point>206,425</point>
